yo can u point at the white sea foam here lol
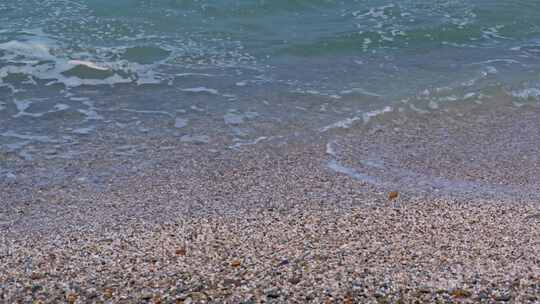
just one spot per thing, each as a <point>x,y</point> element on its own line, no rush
<point>498,60</point>
<point>368,115</point>
<point>149,112</point>
<point>248,143</point>
<point>493,32</point>
<point>39,138</point>
<point>529,93</point>
<point>417,110</point>
<point>433,105</point>
<point>469,95</point>
<point>194,74</point>
<point>22,106</point>
<point>84,130</point>
<point>201,90</point>
<point>89,64</point>
<point>60,107</point>
<point>196,108</point>
<point>38,49</point>
<point>359,91</point>
<point>43,58</point>
<point>316,92</point>
<point>348,122</point>
<point>343,124</point>
<point>230,97</point>
<point>374,12</point>
<point>448,98</point>
<point>79,98</point>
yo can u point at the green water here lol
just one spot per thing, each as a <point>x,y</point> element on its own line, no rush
<point>67,66</point>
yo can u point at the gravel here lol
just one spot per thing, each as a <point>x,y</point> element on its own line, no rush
<point>270,223</point>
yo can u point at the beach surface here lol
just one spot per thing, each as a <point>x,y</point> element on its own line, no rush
<point>440,208</point>
<point>284,151</point>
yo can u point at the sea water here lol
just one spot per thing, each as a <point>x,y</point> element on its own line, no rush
<point>249,70</point>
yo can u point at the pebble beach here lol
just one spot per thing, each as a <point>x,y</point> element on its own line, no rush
<point>270,151</point>
<point>438,253</point>
<point>271,224</point>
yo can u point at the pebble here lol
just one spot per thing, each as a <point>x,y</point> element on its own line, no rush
<point>503,298</point>
<point>272,293</point>
<point>460,293</point>
<point>393,195</point>
<point>295,280</point>
<point>146,296</point>
<point>284,262</point>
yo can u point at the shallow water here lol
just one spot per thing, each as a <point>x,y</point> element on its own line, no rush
<point>247,72</point>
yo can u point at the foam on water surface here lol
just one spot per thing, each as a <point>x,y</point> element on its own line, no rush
<point>39,138</point>
<point>528,93</point>
<point>84,130</point>
<point>201,90</point>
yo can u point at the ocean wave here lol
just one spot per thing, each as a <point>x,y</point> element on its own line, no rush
<point>36,56</point>
<point>39,58</point>
<point>365,117</point>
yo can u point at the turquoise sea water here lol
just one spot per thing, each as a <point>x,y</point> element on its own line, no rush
<point>251,68</point>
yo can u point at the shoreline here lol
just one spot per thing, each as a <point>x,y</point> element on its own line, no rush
<point>273,223</point>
